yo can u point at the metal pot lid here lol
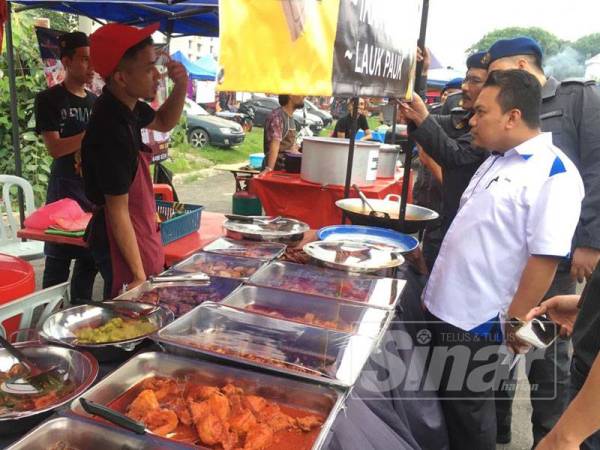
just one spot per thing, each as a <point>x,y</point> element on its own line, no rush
<point>403,243</point>
<point>264,226</point>
<point>355,256</point>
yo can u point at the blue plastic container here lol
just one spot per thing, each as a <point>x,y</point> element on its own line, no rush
<point>256,160</point>
<point>177,227</point>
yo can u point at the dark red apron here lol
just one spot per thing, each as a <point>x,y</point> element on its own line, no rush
<point>142,210</point>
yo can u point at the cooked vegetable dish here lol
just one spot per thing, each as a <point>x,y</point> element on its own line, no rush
<point>116,329</point>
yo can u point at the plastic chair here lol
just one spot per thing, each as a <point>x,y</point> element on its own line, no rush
<point>10,244</point>
<point>28,308</point>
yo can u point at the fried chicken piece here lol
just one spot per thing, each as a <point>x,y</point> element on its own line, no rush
<point>144,403</point>
<point>211,429</point>
<point>163,387</point>
<point>242,421</point>
<point>255,403</point>
<point>219,405</point>
<point>161,421</point>
<point>232,389</point>
<point>259,437</point>
<point>180,407</point>
<point>307,423</point>
<point>275,418</point>
<point>199,392</point>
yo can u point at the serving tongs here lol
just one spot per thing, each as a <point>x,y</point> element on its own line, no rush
<point>124,311</point>
<point>197,277</point>
<point>113,416</point>
<point>31,383</point>
<point>373,212</point>
<point>250,219</point>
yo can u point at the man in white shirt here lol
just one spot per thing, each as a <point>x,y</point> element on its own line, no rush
<point>516,220</point>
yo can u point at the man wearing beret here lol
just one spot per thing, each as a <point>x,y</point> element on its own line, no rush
<point>62,113</point>
<point>123,233</point>
<point>447,140</point>
<point>571,112</point>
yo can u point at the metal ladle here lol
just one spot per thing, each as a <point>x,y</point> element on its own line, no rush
<point>374,212</point>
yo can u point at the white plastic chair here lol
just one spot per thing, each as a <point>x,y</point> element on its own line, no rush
<point>10,244</point>
<point>35,308</point>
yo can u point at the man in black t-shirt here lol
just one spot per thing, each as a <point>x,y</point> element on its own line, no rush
<point>579,426</point>
<point>62,113</point>
<point>343,126</point>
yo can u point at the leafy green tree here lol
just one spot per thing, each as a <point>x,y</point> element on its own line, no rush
<point>29,79</point>
<point>550,43</point>
<point>588,45</point>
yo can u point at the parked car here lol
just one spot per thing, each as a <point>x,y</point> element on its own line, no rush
<point>206,129</point>
<point>263,106</point>
<point>313,109</point>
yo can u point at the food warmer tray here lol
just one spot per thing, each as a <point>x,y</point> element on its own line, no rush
<point>218,266</point>
<point>86,434</point>
<point>248,249</point>
<point>221,332</point>
<point>264,228</point>
<point>357,288</point>
<point>338,315</point>
<point>181,298</point>
<point>323,400</point>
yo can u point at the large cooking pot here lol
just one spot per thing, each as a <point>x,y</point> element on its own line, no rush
<point>324,161</point>
<point>417,217</point>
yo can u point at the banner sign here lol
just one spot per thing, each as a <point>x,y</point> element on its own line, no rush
<point>55,74</point>
<point>319,47</point>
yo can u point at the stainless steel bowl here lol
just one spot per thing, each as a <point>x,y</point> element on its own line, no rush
<point>60,327</point>
<point>80,367</point>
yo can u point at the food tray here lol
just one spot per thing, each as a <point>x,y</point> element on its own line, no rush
<point>295,349</point>
<point>323,313</point>
<point>218,266</point>
<point>282,230</point>
<point>248,249</point>
<point>181,298</point>
<point>318,399</point>
<point>179,226</point>
<point>86,434</point>
<point>357,288</point>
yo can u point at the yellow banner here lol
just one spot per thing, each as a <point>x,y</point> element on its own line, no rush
<point>319,47</point>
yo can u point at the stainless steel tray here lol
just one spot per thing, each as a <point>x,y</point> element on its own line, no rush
<point>85,434</point>
<point>311,310</point>
<point>283,230</point>
<point>218,266</point>
<point>190,294</point>
<point>248,249</point>
<point>326,356</point>
<point>357,288</point>
<point>353,256</point>
<point>323,400</point>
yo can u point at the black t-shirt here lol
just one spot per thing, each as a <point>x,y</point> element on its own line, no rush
<point>111,144</point>
<point>57,109</point>
<point>345,123</point>
<point>586,332</point>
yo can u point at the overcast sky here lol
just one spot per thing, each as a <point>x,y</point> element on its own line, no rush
<point>454,25</point>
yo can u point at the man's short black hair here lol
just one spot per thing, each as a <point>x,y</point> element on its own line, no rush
<point>284,100</point>
<point>518,90</point>
<point>68,43</point>
<point>132,52</point>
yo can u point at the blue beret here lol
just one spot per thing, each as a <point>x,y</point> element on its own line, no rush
<point>476,61</point>
<point>512,47</point>
<point>454,83</point>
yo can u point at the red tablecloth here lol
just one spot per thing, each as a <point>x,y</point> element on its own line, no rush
<point>211,227</point>
<point>285,194</point>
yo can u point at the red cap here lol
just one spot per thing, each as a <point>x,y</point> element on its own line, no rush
<point>109,43</point>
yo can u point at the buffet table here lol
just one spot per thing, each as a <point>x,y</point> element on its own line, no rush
<point>285,194</point>
<point>380,412</point>
<point>211,227</point>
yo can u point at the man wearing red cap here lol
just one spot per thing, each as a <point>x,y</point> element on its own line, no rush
<point>123,233</point>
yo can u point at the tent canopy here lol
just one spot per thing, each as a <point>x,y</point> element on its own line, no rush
<point>176,17</point>
<point>196,70</point>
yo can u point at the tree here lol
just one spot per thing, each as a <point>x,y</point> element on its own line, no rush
<point>588,45</point>
<point>551,44</point>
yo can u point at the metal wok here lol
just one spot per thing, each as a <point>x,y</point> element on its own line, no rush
<point>417,217</point>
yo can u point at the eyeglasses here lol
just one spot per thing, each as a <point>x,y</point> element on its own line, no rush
<point>473,80</point>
